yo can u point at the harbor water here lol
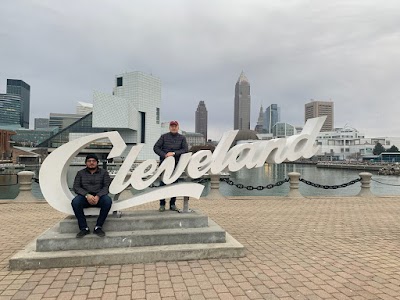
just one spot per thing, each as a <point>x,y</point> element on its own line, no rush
<point>269,174</point>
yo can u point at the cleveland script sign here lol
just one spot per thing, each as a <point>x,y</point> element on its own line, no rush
<point>53,173</point>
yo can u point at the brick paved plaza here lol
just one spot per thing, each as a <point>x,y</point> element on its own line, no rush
<point>329,248</point>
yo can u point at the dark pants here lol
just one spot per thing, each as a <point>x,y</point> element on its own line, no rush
<point>80,202</point>
<point>162,201</point>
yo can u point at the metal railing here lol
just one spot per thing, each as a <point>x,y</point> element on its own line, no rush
<point>14,182</point>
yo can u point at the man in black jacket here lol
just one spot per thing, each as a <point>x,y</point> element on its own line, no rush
<point>170,144</point>
<point>91,186</point>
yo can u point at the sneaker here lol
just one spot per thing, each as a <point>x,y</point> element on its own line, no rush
<point>82,233</point>
<point>173,207</point>
<point>162,208</point>
<point>99,232</point>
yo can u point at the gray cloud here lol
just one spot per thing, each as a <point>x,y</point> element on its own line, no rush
<point>291,51</point>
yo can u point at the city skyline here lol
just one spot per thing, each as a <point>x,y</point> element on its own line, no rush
<point>292,54</point>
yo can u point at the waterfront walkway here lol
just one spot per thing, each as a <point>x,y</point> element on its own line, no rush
<point>316,248</point>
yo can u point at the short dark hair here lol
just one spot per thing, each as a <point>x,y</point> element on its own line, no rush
<point>89,156</point>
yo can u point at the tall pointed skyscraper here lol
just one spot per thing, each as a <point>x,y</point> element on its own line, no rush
<point>241,117</point>
<point>201,119</point>
<point>260,122</point>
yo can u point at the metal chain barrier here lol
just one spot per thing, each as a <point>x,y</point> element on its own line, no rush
<point>16,182</point>
<point>199,180</point>
<point>250,187</point>
<point>385,183</point>
<point>330,187</point>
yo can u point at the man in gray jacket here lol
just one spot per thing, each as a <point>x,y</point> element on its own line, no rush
<point>91,186</point>
<point>170,144</point>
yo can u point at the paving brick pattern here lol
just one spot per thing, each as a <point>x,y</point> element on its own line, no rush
<point>327,248</point>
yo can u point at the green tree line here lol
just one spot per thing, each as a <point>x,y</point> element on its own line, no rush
<point>378,149</point>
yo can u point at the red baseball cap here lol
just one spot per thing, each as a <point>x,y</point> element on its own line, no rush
<point>172,123</point>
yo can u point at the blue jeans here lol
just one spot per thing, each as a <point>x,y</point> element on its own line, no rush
<point>80,202</point>
<point>162,201</point>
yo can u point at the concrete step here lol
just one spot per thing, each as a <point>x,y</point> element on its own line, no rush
<point>30,259</point>
<point>53,240</point>
<point>140,220</point>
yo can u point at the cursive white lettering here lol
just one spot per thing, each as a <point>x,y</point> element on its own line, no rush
<point>250,155</point>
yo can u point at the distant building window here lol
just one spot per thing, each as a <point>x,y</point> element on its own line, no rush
<point>119,81</point>
<point>157,115</point>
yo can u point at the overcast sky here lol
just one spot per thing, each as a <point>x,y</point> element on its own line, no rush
<point>291,51</point>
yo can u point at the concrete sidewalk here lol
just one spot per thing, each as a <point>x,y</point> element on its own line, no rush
<point>316,248</point>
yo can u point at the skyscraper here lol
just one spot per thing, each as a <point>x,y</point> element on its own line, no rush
<point>22,89</point>
<point>260,122</point>
<point>272,116</point>
<point>10,109</point>
<point>241,118</point>
<point>201,119</point>
<point>315,109</point>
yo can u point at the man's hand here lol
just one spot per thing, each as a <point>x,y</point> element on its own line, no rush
<point>92,199</point>
<point>170,154</point>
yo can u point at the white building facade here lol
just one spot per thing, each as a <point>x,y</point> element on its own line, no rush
<point>84,108</point>
<point>133,109</point>
<point>348,143</point>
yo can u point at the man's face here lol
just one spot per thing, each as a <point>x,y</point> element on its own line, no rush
<point>91,163</point>
<point>173,128</point>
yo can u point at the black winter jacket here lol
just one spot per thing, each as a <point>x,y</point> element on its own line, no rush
<point>170,142</point>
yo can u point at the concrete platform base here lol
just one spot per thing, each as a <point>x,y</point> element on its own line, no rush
<point>30,259</point>
<point>195,239</point>
<point>52,240</point>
